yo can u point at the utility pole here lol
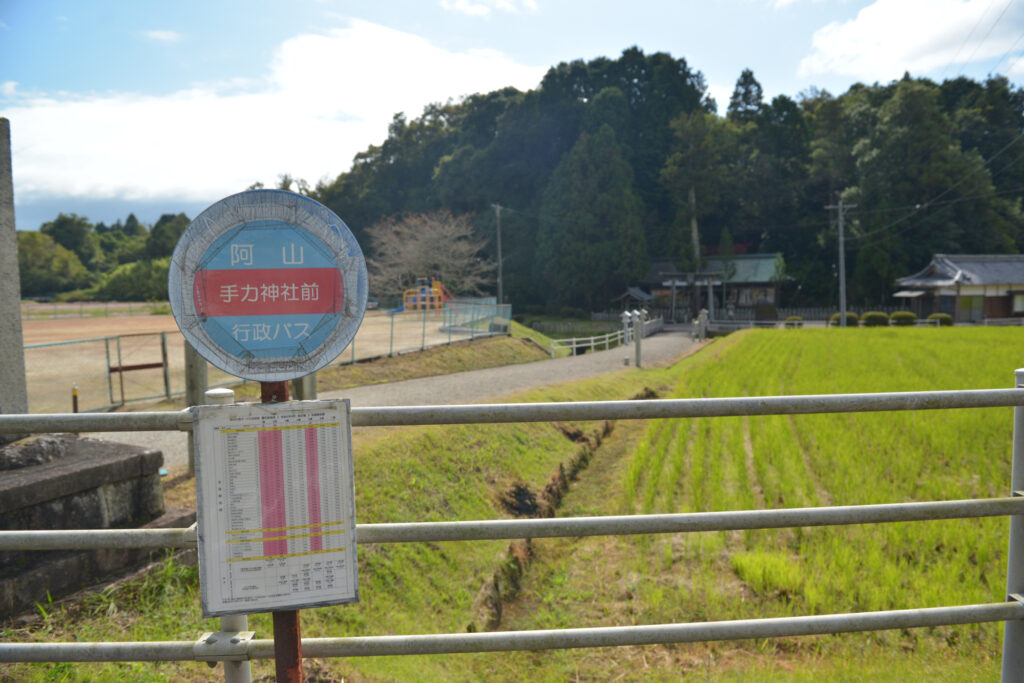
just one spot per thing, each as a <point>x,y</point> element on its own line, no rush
<point>497,216</point>
<point>842,259</point>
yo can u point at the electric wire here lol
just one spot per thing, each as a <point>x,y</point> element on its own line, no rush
<point>930,202</point>
<point>990,29</point>
<point>967,39</point>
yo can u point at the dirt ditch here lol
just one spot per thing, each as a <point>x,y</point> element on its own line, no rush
<point>521,501</point>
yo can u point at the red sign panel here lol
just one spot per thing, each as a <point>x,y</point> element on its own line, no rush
<point>268,291</point>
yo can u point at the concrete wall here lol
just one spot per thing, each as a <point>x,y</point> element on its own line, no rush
<point>99,485</point>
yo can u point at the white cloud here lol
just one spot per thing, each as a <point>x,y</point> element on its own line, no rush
<point>483,8</point>
<point>890,37</point>
<point>162,36</point>
<point>1015,67</point>
<point>8,88</point>
<point>212,140</point>
<point>721,94</point>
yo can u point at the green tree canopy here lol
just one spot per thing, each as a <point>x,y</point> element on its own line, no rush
<point>164,236</point>
<point>46,267</point>
<point>74,233</point>
<point>591,243</point>
<point>920,193</point>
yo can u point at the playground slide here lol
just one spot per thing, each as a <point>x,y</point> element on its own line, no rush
<point>400,309</point>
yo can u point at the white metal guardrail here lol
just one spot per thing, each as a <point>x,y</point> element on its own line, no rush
<point>599,342</point>
<point>607,341</point>
<point>1011,612</point>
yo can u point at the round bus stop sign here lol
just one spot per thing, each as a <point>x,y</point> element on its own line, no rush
<point>268,285</point>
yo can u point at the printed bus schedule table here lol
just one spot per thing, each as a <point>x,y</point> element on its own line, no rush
<point>276,506</point>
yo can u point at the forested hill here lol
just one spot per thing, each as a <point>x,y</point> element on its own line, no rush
<point>613,164</point>
<point>598,165</point>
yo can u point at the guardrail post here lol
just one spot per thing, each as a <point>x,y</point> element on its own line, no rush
<point>167,367</point>
<point>234,672</point>
<point>120,373</point>
<point>1013,638</point>
<point>195,391</point>
<point>304,388</point>
<point>638,336</point>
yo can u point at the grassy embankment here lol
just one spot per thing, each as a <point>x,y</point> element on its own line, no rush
<point>667,466</point>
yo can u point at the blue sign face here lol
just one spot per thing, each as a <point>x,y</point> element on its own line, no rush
<point>268,285</point>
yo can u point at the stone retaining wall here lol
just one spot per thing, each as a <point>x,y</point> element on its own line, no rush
<point>92,485</point>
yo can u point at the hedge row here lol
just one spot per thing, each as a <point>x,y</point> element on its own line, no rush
<point>880,319</point>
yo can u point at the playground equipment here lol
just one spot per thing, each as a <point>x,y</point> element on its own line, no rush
<point>429,293</point>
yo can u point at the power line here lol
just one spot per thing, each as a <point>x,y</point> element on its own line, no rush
<point>990,29</point>
<point>995,69</point>
<point>967,39</point>
<point>926,204</point>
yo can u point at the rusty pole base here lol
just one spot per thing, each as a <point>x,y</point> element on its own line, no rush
<point>287,647</point>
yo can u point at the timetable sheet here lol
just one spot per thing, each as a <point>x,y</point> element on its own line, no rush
<point>276,506</point>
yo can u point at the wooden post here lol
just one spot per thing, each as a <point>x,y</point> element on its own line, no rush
<point>287,630</point>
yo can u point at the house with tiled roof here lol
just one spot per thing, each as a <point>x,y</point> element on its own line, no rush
<point>970,287</point>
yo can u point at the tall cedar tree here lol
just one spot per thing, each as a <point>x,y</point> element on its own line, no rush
<point>925,195</point>
<point>591,243</point>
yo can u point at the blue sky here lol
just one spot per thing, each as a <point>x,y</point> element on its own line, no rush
<point>160,107</point>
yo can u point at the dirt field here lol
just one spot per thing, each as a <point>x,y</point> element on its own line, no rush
<point>53,370</point>
<point>66,329</point>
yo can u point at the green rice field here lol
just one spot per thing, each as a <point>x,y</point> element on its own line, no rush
<point>798,461</point>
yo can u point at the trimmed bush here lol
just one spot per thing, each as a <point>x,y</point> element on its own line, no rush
<point>851,319</point>
<point>875,319</point>
<point>945,319</point>
<point>794,321</point>
<point>904,319</point>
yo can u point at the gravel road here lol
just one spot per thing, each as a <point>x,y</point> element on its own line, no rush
<point>474,386</point>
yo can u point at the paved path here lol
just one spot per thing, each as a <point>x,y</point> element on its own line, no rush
<point>474,386</point>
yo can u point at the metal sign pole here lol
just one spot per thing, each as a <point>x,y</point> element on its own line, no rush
<point>271,286</point>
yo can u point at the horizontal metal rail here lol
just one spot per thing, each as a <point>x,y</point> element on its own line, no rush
<point>44,345</point>
<point>553,412</point>
<point>507,641</point>
<point>484,530</point>
<point>137,366</point>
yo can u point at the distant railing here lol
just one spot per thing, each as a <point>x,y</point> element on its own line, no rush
<point>605,341</point>
<point>599,342</point>
<point>35,310</point>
